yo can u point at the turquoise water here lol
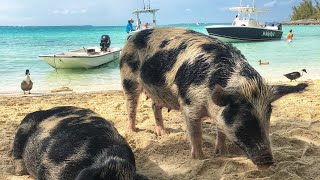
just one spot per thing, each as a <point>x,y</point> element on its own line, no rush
<point>20,47</point>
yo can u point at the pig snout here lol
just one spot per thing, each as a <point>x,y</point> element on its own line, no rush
<point>260,155</point>
<point>263,161</point>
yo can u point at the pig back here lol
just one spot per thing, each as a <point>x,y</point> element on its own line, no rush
<point>175,65</point>
<point>66,140</point>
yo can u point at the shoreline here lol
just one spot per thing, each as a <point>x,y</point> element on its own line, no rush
<point>102,89</point>
<point>302,22</point>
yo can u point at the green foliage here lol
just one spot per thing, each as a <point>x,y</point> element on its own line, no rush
<point>306,10</point>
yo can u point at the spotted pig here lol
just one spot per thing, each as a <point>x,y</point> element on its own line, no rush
<point>70,143</point>
<point>188,71</point>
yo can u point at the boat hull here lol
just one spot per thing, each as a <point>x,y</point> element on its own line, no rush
<point>79,61</point>
<point>243,33</point>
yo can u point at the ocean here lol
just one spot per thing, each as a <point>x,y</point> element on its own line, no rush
<point>21,46</point>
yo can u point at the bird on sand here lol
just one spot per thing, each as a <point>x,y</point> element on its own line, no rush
<point>26,85</point>
<point>263,62</point>
<point>295,75</point>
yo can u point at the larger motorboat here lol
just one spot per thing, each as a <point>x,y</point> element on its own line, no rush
<point>247,28</point>
<point>84,57</point>
<point>148,25</point>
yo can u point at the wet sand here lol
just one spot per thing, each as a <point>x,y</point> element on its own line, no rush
<point>295,137</point>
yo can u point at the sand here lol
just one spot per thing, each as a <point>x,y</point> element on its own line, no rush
<point>295,137</point>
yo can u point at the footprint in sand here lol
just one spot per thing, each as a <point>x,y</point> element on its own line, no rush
<point>307,135</point>
<point>315,125</point>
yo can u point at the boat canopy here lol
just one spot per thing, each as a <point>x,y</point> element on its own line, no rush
<point>249,10</point>
<point>145,11</point>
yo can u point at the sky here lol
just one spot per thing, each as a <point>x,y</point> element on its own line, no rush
<point>117,12</point>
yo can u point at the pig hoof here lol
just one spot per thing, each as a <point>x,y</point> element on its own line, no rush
<point>220,149</point>
<point>20,168</point>
<point>160,131</point>
<point>197,155</point>
<point>132,128</point>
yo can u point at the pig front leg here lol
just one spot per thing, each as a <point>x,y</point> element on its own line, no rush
<point>220,143</point>
<point>194,131</point>
<point>157,111</point>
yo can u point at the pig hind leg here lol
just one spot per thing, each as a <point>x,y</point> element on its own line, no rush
<point>132,90</point>
<point>157,111</point>
<point>132,97</point>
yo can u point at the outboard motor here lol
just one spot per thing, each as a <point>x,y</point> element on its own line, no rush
<point>105,42</point>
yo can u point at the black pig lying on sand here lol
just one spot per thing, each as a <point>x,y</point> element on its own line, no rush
<point>191,72</point>
<point>70,143</point>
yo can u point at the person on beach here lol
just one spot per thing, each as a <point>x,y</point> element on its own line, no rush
<point>290,36</point>
<point>129,26</point>
<point>236,20</point>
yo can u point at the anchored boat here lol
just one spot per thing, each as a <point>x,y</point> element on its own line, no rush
<point>246,27</point>
<point>84,57</point>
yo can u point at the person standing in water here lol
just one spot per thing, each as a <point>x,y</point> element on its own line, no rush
<point>290,36</point>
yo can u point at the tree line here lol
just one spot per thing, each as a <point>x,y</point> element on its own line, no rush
<point>307,9</point>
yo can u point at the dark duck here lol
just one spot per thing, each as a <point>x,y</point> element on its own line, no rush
<point>26,85</point>
<point>295,75</point>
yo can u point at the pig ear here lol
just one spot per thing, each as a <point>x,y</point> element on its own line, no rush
<point>221,97</point>
<point>88,174</point>
<point>281,90</point>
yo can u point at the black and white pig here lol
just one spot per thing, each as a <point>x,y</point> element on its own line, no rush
<point>70,143</point>
<point>191,72</point>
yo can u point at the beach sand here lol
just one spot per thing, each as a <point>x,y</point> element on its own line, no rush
<point>295,137</point>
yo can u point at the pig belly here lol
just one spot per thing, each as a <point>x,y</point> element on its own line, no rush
<point>162,96</point>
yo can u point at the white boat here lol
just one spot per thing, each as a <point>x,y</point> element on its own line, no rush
<point>84,57</point>
<point>246,28</point>
<point>148,25</point>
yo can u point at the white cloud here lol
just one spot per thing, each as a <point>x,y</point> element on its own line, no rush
<point>278,2</point>
<point>270,4</point>
<point>69,12</point>
<point>188,10</point>
<point>286,2</point>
